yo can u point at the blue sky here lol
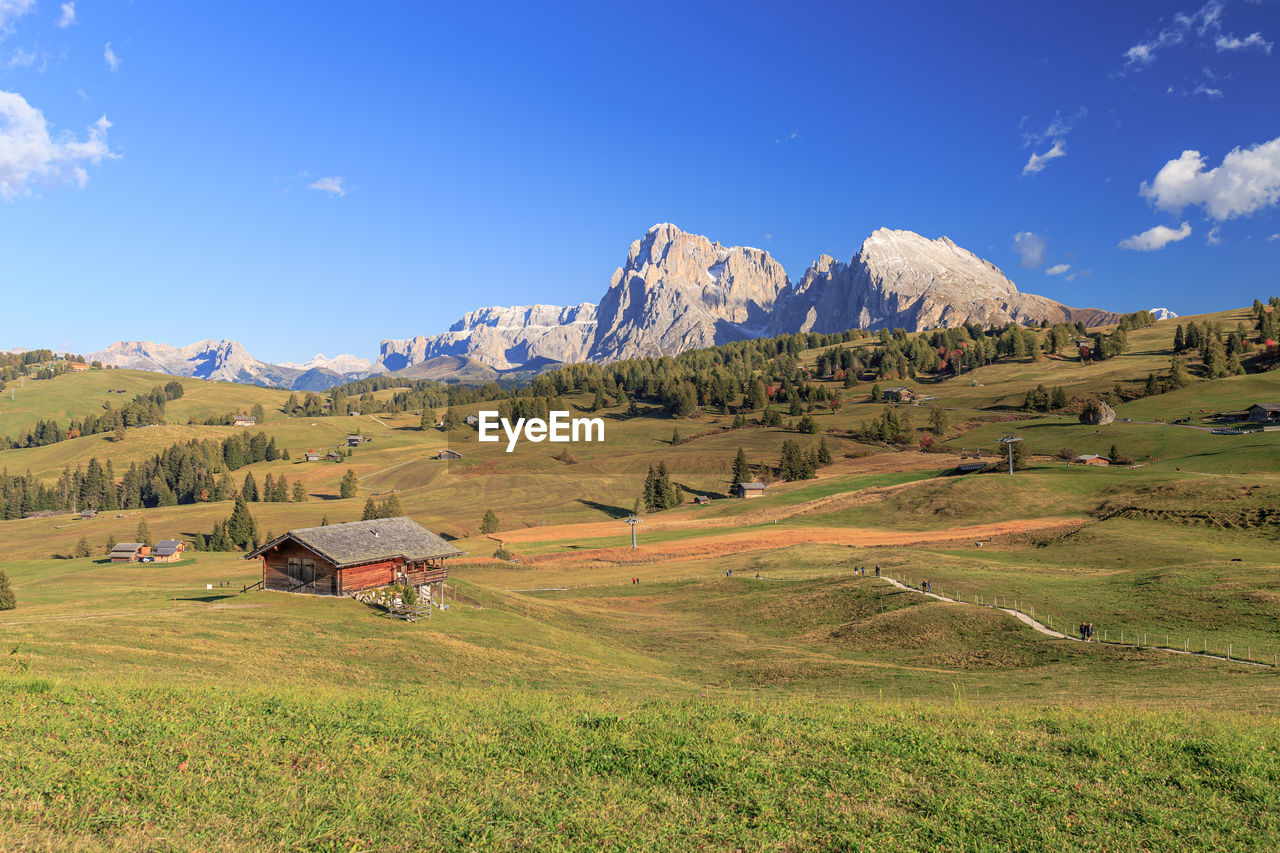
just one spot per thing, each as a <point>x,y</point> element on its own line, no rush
<point>316,177</point>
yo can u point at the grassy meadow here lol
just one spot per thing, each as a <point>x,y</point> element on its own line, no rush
<point>753,691</point>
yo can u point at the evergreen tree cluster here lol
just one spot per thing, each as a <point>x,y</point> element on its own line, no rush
<point>891,426</point>
<point>183,473</point>
<point>239,532</point>
<point>797,464</point>
<point>659,492</point>
<point>389,508</point>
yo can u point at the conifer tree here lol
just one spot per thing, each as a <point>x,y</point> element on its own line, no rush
<point>370,510</point>
<point>490,523</point>
<point>269,488</point>
<point>299,492</point>
<point>824,452</point>
<point>741,470</point>
<point>249,491</point>
<point>143,533</point>
<point>938,422</point>
<point>82,547</point>
<point>241,528</point>
<point>391,507</point>
<point>347,489</point>
<point>8,601</point>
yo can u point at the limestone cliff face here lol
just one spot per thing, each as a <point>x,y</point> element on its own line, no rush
<point>502,338</point>
<point>680,291</point>
<point>675,292</point>
<point>901,279</point>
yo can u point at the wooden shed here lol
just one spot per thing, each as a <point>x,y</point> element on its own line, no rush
<point>128,552</point>
<point>168,551</point>
<point>339,559</point>
<point>750,490</point>
<point>1263,413</point>
<point>1092,459</point>
<point>448,454</point>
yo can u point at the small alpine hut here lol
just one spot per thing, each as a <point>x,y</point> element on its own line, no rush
<point>749,490</point>
<point>339,559</point>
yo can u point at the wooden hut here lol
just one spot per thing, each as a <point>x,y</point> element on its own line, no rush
<point>168,551</point>
<point>339,559</point>
<point>128,552</point>
<point>750,490</point>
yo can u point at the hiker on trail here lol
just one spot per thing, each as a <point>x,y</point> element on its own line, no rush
<point>1089,630</point>
<point>877,571</point>
<point>1084,632</point>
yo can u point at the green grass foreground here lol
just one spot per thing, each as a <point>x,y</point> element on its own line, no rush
<point>101,767</point>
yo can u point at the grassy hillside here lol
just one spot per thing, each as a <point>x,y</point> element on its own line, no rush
<point>752,691</point>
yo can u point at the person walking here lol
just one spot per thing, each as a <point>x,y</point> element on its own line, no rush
<point>877,570</point>
<point>1084,632</point>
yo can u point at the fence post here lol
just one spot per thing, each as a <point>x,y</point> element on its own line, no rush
<point>1228,651</point>
<point>1122,638</point>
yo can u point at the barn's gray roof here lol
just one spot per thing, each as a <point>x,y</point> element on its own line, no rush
<point>126,547</point>
<point>753,486</point>
<point>365,541</point>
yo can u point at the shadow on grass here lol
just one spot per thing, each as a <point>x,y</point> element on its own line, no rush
<point>607,509</point>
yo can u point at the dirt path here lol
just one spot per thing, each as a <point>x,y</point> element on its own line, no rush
<point>1041,628</point>
<point>736,542</point>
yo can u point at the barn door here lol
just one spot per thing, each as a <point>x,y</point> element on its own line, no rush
<point>307,577</point>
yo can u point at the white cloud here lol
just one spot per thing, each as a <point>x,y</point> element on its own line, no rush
<point>1039,161</point>
<point>1214,237</point>
<point>1247,181</point>
<point>1156,238</point>
<point>1058,128</point>
<point>1202,89</point>
<point>29,156</point>
<point>1203,22</point>
<point>1273,238</point>
<point>113,61</point>
<point>68,15</point>
<point>1030,247</point>
<point>1057,269</point>
<point>1078,273</point>
<point>11,10</point>
<point>22,58</point>
<point>1225,43</point>
<point>332,186</point>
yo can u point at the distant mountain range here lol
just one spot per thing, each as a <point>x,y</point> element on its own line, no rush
<point>677,291</point>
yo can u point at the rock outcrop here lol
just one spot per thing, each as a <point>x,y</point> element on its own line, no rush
<point>502,338</point>
<point>899,279</point>
<point>680,291</point>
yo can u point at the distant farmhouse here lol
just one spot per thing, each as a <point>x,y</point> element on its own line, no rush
<point>472,420</point>
<point>244,421</point>
<point>168,551</point>
<point>128,552</point>
<point>749,490</point>
<point>1263,413</point>
<point>340,559</point>
<point>448,454</point>
<point>1092,459</point>
<point>354,440</point>
<point>899,394</point>
<point>312,456</point>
